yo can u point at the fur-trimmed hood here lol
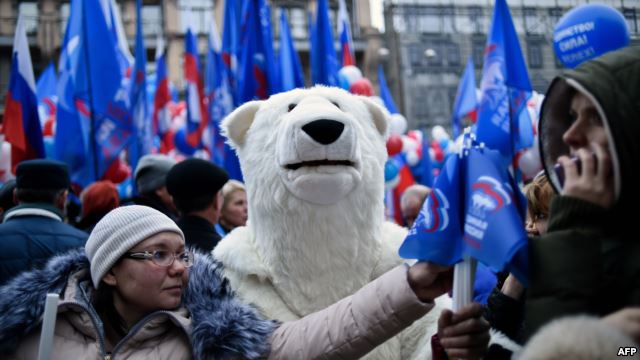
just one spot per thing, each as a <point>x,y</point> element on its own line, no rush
<point>222,326</point>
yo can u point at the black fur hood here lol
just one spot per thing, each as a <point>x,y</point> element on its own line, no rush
<point>222,326</point>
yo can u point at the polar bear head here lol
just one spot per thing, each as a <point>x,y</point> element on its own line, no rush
<point>313,164</point>
<point>319,144</point>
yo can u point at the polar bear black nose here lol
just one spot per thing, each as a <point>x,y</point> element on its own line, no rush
<point>324,131</point>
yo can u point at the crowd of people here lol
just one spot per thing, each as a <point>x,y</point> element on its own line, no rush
<point>136,278</point>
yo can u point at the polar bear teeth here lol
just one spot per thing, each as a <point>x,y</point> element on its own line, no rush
<point>319,163</point>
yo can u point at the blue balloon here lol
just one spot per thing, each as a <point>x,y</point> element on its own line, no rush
<point>391,171</point>
<point>343,81</point>
<point>180,140</point>
<point>588,31</point>
<point>49,147</point>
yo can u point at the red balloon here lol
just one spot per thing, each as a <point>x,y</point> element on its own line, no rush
<point>394,145</point>
<point>361,87</point>
<point>117,172</point>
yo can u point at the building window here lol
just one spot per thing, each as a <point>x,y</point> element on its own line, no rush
<point>477,19</point>
<point>630,16</point>
<point>477,51</point>
<point>29,13</point>
<point>415,55</point>
<point>534,52</point>
<point>196,15</point>
<point>151,20</point>
<point>298,23</point>
<point>453,54</point>
<point>532,23</point>
<point>448,20</point>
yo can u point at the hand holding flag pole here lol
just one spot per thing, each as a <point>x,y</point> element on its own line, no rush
<point>471,215</point>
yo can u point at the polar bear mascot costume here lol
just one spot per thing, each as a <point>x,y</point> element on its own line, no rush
<point>313,163</point>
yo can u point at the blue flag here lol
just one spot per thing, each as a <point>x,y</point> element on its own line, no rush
<point>46,93</point>
<point>466,101</point>
<point>139,105</point>
<point>437,232</point>
<point>291,75</point>
<point>385,94</point>
<point>324,63</point>
<point>503,121</point>
<point>473,209</point>
<point>94,121</point>
<point>257,77</point>
<point>426,170</point>
<point>230,43</point>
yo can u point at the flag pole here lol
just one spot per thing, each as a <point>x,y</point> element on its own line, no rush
<point>464,271</point>
<point>92,138</point>
<point>48,326</point>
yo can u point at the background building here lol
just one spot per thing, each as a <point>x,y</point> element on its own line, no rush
<point>46,22</point>
<point>430,41</point>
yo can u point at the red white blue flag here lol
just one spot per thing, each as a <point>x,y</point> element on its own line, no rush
<point>347,56</point>
<point>22,127</point>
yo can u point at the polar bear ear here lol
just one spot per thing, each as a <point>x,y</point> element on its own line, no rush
<point>380,116</point>
<point>235,125</point>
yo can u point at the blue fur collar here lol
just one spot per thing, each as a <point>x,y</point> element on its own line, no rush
<point>222,326</point>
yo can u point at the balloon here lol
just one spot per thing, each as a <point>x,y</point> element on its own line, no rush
<point>5,161</point>
<point>351,73</point>
<point>343,81</point>
<point>412,158</point>
<point>409,144</point>
<point>398,124</point>
<point>588,31</point>
<point>180,141</point>
<point>361,87</point>
<point>117,172</point>
<point>49,146</point>
<point>529,163</point>
<point>438,133</point>
<point>444,144</point>
<point>394,145</point>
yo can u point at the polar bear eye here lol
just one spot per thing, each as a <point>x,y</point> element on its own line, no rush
<point>336,104</point>
<point>292,106</point>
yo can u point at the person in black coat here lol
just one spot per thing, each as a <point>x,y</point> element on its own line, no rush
<point>34,230</point>
<point>195,186</point>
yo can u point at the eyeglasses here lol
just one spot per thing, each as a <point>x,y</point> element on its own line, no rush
<point>162,258</point>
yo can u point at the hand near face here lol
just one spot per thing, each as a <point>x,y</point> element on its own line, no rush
<point>627,320</point>
<point>465,334</point>
<point>594,183</point>
<point>429,280</point>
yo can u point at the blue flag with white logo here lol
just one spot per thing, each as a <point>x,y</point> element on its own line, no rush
<point>437,229</point>
<point>503,121</point>
<point>473,209</point>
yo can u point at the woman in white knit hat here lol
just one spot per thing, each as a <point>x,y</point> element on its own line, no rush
<point>135,292</point>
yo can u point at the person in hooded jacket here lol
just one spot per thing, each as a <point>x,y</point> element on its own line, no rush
<point>587,262</point>
<point>136,292</point>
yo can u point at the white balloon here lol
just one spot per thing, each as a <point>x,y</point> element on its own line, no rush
<point>529,163</point>
<point>351,72</point>
<point>412,158</point>
<point>438,133</point>
<point>5,162</point>
<point>409,144</point>
<point>398,124</point>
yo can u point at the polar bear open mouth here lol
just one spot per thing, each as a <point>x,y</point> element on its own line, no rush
<point>325,162</point>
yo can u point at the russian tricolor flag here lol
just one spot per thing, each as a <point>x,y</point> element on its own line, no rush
<point>22,127</point>
<point>346,42</point>
<point>161,118</point>
<point>197,112</point>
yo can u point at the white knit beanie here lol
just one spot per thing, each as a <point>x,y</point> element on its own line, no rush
<point>119,231</point>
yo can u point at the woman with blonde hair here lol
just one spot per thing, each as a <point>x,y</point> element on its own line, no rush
<point>234,211</point>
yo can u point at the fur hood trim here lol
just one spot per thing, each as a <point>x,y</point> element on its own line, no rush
<point>222,326</point>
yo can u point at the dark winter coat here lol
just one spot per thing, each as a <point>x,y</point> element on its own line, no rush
<point>30,235</point>
<point>588,260</point>
<point>198,233</point>
<point>211,324</point>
